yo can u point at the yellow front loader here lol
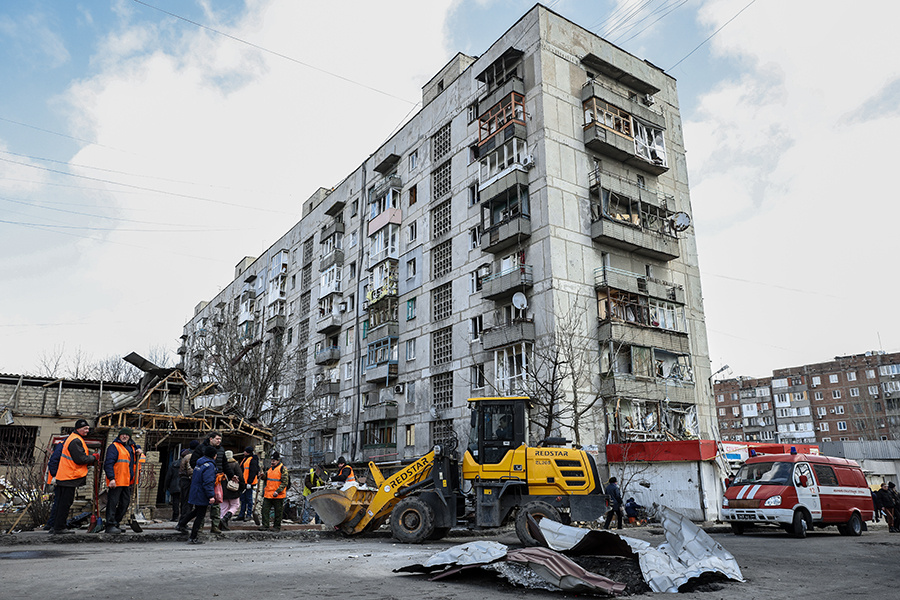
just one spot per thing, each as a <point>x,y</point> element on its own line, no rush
<point>504,479</point>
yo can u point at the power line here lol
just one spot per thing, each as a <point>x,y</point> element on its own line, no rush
<point>77,139</point>
<point>116,229</point>
<point>96,216</point>
<point>649,25</point>
<point>146,189</point>
<point>751,3</point>
<point>274,53</point>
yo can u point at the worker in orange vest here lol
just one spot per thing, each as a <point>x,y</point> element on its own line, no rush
<point>277,481</point>
<point>72,473</point>
<point>121,472</point>
<point>345,472</point>
<point>250,469</point>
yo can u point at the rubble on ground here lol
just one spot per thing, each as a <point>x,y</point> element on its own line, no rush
<point>596,562</point>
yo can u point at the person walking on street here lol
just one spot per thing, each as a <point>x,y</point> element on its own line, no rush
<point>119,467</point>
<point>231,489</point>
<point>275,492</point>
<point>886,503</point>
<point>72,472</point>
<point>214,440</point>
<point>185,471</point>
<point>345,472</point>
<point>173,485</point>
<point>615,503</point>
<point>202,494</point>
<point>895,498</point>
<point>250,470</point>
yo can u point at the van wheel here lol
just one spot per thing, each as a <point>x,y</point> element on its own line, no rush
<point>852,527</point>
<point>798,526</point>
<point>538,510</point>
<point>737,528</point>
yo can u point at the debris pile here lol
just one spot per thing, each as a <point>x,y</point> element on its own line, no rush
<point>595,562</point>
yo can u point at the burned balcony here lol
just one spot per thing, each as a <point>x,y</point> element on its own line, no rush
<point>505,283</point>
<point>623,130</point>
<point>626,281</point>
<point>507,334</point>
<point>326,387</point>
<point>328,356</point>
<point>500,123</point>
<point>635,224</point>
<point>381,360</point>
<point>634,333</point>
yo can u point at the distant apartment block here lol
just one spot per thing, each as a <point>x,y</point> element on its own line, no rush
<point>848,399</point>
<point>542,183</point>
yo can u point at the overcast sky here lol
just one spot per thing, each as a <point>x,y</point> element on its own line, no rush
<point>142,156</point>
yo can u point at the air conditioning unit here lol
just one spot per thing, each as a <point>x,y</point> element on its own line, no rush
<point>528,161</point>
<point>399,388</point>
<point>342,307</point>
<point>647,100</point>
<point>832,411</point>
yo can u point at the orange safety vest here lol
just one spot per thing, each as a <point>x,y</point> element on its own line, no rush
<point>124,467</point>
<point>245,464</point>
<point>273,480</point>
<point>68,469</point>
<point>351,476</point>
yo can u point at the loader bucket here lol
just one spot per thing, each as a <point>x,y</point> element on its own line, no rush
<point>341,509</point>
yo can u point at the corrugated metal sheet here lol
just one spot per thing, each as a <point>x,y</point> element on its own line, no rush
<point>861,449</point>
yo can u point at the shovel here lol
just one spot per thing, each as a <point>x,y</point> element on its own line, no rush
<point>96,524</point>
<point>133,522</point>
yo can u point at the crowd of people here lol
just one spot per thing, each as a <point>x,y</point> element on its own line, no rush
<point>204,479</point>
<point>887,503</point>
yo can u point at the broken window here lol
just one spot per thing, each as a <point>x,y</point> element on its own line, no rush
<point>511,367</point>
<point>509,204</point>
<point>649,143</point>
<point>510,109</point>
<point>17,444</point>
<point>609,117</point>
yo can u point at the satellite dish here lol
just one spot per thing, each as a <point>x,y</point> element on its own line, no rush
<point>520,301</point>
<point>680,221</point>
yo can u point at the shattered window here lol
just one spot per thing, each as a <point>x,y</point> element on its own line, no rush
<point>649,143</point>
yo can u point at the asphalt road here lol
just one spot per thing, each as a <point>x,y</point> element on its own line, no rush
<point>824,566</point>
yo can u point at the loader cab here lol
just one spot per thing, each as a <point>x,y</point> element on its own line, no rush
<point>498,426</point>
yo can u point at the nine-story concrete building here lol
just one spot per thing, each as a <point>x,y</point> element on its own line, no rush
<point>540,195</point>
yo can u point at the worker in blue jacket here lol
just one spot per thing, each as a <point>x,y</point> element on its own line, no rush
<point>202,494</point>
<point>52,466</point>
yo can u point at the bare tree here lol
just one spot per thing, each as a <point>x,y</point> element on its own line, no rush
<point>259,373</point>
<point>50,362</point>
<point>79,365</point>
<point>114,368</point>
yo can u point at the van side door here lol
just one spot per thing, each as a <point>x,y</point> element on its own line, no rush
<point>808,494</point>
<point>831,510</point>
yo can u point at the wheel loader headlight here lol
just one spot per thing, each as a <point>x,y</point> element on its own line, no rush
<point>773,501</point>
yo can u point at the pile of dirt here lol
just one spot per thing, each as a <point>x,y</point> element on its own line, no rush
<point>618,568</point>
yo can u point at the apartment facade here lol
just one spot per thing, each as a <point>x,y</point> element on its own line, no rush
<point>542,184</point>
<point>851,398</point>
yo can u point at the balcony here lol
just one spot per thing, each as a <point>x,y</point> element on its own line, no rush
<point>329,323</point>
<point>327,387</point>
<point>506,335</point>
<point>334,205</point>
<point>380,412</point>
<point>645,335</point>
<point>333,258</point>
<point>386,329</point>
<point>333,287</point>
<point>387,289</point>
<point>382,373</point>
<point>621,234</point>
<point>332,229</point>
<point>608,277</point>
<point>655,389</point>
<point>507,233</point>
<point>328,355</point>
<point>503,121</point>
<point>275,324</point>
<point>506,283</point>
<point>384,218</point>
<point>492,98</point>
<point>391,184</point>
<point>515,174</point>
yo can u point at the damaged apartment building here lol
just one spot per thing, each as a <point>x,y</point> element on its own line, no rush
<point>541,189</point>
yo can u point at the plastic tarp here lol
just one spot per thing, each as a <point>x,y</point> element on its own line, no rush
<point>473,553</point>
<point>687,552</point>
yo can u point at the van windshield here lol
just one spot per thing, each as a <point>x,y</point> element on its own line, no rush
<point>771,473</point>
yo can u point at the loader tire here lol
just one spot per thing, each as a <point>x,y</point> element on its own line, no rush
<point>412,521</point>
<point>538,510</point>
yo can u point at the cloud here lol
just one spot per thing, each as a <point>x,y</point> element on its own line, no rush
<point>789,165</point>
<point>219,137</point>
<point>33,41</point>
